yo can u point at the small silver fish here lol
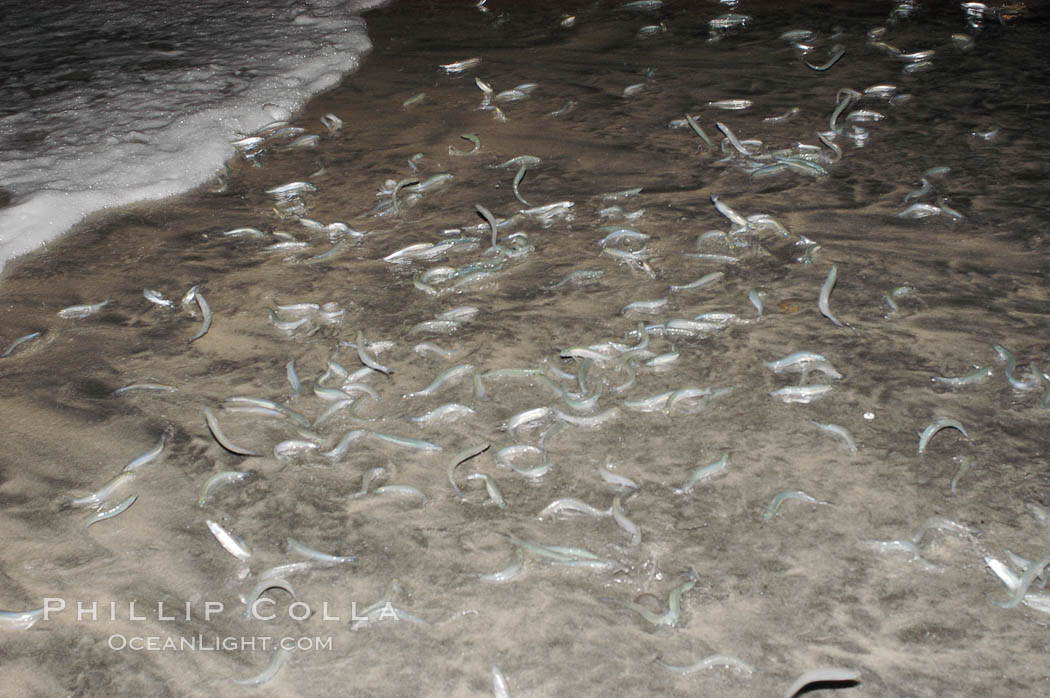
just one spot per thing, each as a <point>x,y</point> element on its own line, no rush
<point>460,66</point>
<point>731,104</point>
<point>82,311</point>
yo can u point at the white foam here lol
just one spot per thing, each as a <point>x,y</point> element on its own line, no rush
<point>110,103</point>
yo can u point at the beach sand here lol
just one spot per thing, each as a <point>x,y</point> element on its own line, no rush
<point>786,594</point>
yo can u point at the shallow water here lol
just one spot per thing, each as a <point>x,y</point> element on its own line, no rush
<point>792,593</point>
<point>105,105</point>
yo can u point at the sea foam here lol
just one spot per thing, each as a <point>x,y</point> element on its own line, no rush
<point>104,104</point>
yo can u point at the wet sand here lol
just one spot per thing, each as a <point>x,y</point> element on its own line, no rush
<point>800,590</point>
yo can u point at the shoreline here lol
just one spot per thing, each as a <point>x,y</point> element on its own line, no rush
<point>170,148</point>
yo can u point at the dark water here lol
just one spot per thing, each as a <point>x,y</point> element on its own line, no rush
<point>792,593</point>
